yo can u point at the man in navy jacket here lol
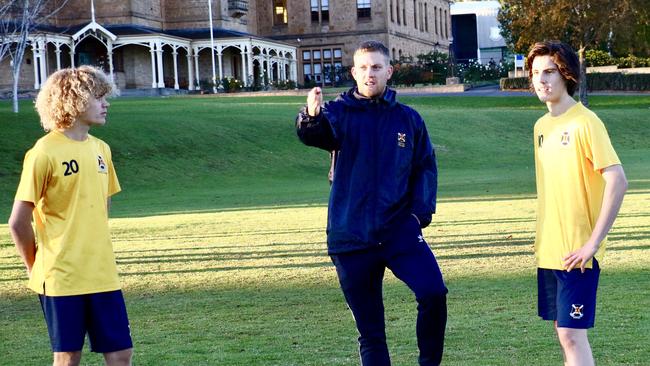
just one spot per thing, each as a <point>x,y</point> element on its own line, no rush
<point>383,194</point>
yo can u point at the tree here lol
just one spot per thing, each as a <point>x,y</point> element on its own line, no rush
<point>18,19</point>
<point>580,23</point>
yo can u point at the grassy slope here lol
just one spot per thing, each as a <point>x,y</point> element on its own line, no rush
<point>192,154</point>
<point>242,287</point>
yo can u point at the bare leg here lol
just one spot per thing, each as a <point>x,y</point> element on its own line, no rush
<point>67,358</point>
<point>119,358</point>
<point>575,345</point>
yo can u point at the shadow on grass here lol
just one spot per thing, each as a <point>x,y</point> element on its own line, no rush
<point>492,321</point>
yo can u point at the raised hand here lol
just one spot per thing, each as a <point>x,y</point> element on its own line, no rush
<point>314,101</point>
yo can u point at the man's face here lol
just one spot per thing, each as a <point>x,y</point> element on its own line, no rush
<point>371,71</point>
<point>95,113</point>
<point>547,80</point>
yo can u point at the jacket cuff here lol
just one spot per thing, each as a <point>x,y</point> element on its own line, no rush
<point>304,117</point>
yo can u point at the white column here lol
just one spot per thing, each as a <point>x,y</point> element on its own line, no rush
<point>220,59</point>
<point>249,66</point>
<point>153,64</point>
<point>35,64</point>
<point>196,69</point>
<point>109,52</point>
<point>72,47</point>
<point>161,76</point>
<point>43,61</point>
<point>58,56</point>
<point>267,70</point>
<point>244,67</point>
<point>190,70</point>
<point>175,54</point>
<point>294,71</point>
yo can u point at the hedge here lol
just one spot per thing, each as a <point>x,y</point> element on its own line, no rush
<point>595,81</point>
<point>514,83</point>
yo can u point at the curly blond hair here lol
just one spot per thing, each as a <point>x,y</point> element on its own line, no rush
<point>66,93</point>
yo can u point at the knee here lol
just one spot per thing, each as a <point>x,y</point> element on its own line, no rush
<point>119,358</point>
<point>432,302</point>
<point>570,340</point>
<point>67,358</point>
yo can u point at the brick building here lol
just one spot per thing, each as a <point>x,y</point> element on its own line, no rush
<point>327,32</point>
<point>166,43</point>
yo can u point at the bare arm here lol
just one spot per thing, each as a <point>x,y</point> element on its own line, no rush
<point>615,187</point>
<point>20,225</point>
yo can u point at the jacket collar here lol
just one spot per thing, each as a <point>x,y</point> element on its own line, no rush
<point>353,99</point>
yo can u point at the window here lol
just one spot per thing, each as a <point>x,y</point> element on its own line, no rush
<point>328,72</point>
<point>421,12</point>
<point>392,17</point>
<point>280,12</point>
<point>317,55</point>
<point>404,11</point>
<point>325,11</point>
<point>394,54</point>
<point>306,55</point>
<point>338,67</point>
<point>435,18</point>
<point>426,18</point>
<point>318,71</point>
<point>327,54</point>
<point>337,53</point>
<point>363,8</point>
<point>397,11</point>
<point>320,11</point>
<point>314,11</point>
<point>446,28</point>
<point>415,14</point>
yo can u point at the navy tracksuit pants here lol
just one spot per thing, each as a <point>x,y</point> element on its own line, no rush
<point>361,275</point>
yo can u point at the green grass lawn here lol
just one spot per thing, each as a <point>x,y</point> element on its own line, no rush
<point>219,236</point>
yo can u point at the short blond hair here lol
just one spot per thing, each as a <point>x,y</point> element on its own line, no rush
<point>66,93</point>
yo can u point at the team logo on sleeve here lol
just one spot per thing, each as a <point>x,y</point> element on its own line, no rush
<point>101,165</point>
<point>401,139</point>
<point>565,138</point>
<point>576,311</point>
<point>540,140</point>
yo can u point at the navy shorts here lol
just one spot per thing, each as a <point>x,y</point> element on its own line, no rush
<point>101,315</point>
<point>568,297</point>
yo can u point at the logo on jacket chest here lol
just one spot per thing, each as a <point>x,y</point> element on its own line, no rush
<point>401,139</point>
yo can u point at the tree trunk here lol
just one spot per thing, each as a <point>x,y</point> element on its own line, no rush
<point>583,77</point>
<point>20,53</point>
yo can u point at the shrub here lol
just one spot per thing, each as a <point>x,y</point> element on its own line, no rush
<point>618,81</point>
<point>284,84</point>
<point>631,61</point>
<point>231,85</point>
<point>598,58</point>
<point>595,81</point>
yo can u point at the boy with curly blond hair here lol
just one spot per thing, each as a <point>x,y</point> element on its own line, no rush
<point>66,185</point>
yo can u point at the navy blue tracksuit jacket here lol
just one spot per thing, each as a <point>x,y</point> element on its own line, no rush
<point>386,168</point>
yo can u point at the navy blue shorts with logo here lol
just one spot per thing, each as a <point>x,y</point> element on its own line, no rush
<point>568,297</point>
<point>101,315</point>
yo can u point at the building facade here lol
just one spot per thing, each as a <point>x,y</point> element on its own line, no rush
<point>167,43</point>
<point>326,32</point>
<point>477,32</point>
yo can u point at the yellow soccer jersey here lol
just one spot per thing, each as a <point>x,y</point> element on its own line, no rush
<point>570,152</point>
<point>69,182</point>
